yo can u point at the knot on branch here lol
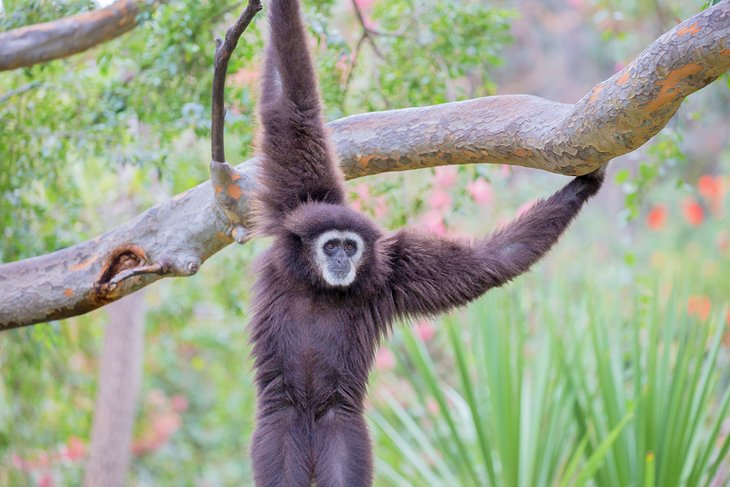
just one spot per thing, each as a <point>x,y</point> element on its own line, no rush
<point>130,261</point>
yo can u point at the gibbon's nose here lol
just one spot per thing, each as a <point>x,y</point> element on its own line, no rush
<point>341,257</point>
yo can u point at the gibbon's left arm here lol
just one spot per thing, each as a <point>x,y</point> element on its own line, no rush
<point>298,164</point>
<point>432,275</point>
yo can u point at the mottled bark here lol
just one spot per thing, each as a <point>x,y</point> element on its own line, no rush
<point>61,38</point>
<point>120,378</point>
<point>176,237</point>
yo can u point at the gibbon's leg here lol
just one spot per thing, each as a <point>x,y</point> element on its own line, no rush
<point>279,450</point>
<point>298,165</point>
<point>432,275</point>
<point>343,453</point>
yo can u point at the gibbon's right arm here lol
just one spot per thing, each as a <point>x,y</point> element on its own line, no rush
<point>432,275</point>
<point>298,164</point>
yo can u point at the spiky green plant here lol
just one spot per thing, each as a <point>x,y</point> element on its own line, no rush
<point>578,392</point>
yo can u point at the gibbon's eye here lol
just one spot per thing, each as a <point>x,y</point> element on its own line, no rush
<point>350,247</point>
<point>330,246</point>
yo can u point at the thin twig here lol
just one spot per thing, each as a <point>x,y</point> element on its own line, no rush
<point>19,91</point>
<point>223,51</point>
<point>353,65</point>
<point>366,31</point>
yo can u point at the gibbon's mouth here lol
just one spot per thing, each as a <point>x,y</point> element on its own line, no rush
<point>339,271</point>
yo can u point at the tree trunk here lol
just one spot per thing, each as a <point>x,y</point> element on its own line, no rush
<point>120,375</point>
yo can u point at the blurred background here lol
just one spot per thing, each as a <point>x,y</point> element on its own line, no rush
<point>607,365</point>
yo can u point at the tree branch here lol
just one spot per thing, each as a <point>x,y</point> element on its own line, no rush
<point>227,182</point>
<point>223,51</point>
<point>616,117</point>
<point>61,38</point>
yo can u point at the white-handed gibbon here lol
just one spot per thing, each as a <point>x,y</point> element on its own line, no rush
<point>333,282</point>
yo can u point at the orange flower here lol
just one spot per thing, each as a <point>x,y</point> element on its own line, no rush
<point>727,318</point>
<point>657,217</point>
<point>699,306</point>
<point>693,212</point>
<point>710,187</point>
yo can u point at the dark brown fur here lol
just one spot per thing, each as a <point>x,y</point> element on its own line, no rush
<point>314,344</point>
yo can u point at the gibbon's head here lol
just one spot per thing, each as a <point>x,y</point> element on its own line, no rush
<point>338,254</point>
<point>333,246</point>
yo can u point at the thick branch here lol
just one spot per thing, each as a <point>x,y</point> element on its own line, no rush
<point>174,238</point>
<point>61,38</point>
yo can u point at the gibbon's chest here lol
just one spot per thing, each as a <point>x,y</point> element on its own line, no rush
<point>319,343</point>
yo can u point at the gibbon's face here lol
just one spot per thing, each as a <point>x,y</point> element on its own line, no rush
<point>338,254</point>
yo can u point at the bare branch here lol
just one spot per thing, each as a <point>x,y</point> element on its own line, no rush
<point>61,38</point>
<point>367,32</point>
<point>228,183</point>
<point>223,51</point>
<point>616,117</point>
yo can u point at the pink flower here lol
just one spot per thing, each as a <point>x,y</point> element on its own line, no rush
<point>17,461</point>
<point>433,222</point>
<point>385,360</point>
<point>46,480</point>
<point>362,191</point>
<point>439,200</point>
<point>166,424</point>
<point>432,406</point>
<point>481,191</point>
<point>75,449</point>
<point>425,330</point>
<point>381,207</point>
<point>445,176</point>
<point>179,403</point>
